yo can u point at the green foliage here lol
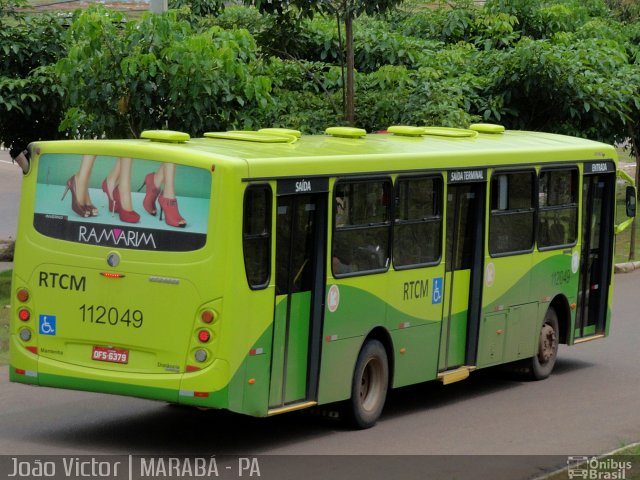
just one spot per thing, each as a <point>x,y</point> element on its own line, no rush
<point>123,77</point>
<point>308,8</point>
<point>573,86</point>
<point>557,18</point>
<point>236,17</point>
<point>306,95</point>
<point>625,10</point>
<point>200,8</point>
<point>446,25</point>
<point>558,65</point>
<point>344,11</point>
<point>30,97</point>
<point>376,46</point>
<point>495,30</point>
<point>422,97</point>
<point>543,18</point>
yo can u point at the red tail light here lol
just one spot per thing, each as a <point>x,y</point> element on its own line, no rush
<point>24,314</point>
<point>112,275</point>
<point>204,336</point>
<point>22,295</point>
<point>207,316</point>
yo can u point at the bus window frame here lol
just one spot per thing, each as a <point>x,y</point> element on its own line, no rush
<point>387,224</point>
<point>269,223</point>
<point>534,209</point>
<point>439,218</point>
<point>574,168</point>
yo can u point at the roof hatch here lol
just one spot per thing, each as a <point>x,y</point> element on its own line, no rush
<point>167,136</point>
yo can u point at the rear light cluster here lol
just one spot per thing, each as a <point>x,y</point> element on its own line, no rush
<point>204,338</point>
<point>24,314</point>
<point>207,316</point>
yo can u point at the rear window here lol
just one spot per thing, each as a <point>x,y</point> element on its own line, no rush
<point>122,202</point>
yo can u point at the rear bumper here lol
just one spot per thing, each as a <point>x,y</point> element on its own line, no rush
<point>207,388</point>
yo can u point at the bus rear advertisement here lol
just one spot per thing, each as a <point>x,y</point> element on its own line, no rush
<point>269,271</point>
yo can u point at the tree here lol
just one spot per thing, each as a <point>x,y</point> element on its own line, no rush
<point>344,11</point>
<point>123,77</point>
<point>199,8</point>
<point>30,95</point>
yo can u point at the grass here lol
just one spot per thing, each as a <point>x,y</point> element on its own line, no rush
<point>623,240</point>
<point>5,293</point>
<point>629,456</point>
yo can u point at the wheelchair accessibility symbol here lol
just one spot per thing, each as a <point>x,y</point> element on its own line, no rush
<point>436,296</point>
<point>47,325</point>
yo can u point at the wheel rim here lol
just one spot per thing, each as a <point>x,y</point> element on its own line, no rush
<point>548,343</point>
<point>370,383</point>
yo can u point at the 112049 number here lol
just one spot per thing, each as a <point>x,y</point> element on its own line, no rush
<point>102,315</point>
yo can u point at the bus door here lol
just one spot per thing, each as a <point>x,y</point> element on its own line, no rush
<point>463,268</point>
<point>598,198</point>
<point>300,278</point>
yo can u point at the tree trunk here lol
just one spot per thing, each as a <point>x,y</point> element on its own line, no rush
<point>341,49</point>
<point>636,153</point>
<point>348,31</point>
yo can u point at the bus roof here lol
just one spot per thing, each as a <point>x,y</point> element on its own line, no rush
<point>331,155</point>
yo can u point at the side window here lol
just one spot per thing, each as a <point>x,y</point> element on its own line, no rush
<point>418,222</point>
<point>512,212</point>
<point>256,235</point>
<point>361,227</point>
<point>558,208</point>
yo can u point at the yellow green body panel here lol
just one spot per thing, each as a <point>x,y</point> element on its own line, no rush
<point>245,360</point>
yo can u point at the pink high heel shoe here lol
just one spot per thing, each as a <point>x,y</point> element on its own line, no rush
<point>169,206</point>
<point>152,192</point>
<point>81,210</point>
<point>129,216</point>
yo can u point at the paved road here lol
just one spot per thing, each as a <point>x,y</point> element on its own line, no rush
<point>588,406</point>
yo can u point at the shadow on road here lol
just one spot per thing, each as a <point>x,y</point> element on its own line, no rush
<point>425,396</point>
<point>170,429</point>
<point>151,427</point>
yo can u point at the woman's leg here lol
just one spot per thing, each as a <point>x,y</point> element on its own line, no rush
<point>82,182</point>
<point>167,199</point>
<point>124,183</point>
<point>169,176</point>
<point>112,179</point>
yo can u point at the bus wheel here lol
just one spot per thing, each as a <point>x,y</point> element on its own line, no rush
<point>369,385</point>
<point>544,360</point>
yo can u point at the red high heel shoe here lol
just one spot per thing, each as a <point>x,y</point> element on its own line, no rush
<point>169,206</point>
<point>92,209</point>
<point>75,206</point>
<point>129,216</point>
<point>105,189</point>
<point>152,192</point>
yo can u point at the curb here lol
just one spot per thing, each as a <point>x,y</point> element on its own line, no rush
<point>627,267</point>
<point>604,455</point>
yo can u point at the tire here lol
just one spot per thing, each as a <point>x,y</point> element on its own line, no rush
<point>544,360</point>
<point>369,385</point>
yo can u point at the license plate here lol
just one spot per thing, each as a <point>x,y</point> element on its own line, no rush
<point>114,355</point>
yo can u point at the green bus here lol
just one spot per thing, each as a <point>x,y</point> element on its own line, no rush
<point>267,271</point>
